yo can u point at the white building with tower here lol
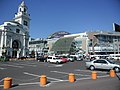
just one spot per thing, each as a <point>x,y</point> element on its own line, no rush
<point>14,34</point>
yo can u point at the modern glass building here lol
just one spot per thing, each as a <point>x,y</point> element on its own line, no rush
<point>104,42</point>
<point>63,45</point>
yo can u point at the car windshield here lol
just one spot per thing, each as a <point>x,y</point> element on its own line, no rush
<point>110,61</point>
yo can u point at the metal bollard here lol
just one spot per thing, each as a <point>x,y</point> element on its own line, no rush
<point>43,80</point>
<point>71,77</point>
<point>7,83</point>
<point>112,73</point>
<point>94,75</point>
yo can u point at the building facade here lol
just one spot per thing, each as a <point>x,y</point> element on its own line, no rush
<point>88,43</point>
<point>104,42</point>
<point>14,34</point>
<point>38,46</point>
<point>69,44</point>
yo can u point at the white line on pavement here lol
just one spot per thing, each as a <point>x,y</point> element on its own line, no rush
<point>31,74</point>
<point>39,76</point>
<point>54,79</point>
<point>25,65</point>
<point>30,83</point>
<point>2,68</point>
<point>59,72</point>
<point>1,85</point>
<point>83,70</point>
<point>89,71</point>
<point>12,65</point>
<point>55,66</point>
<point>68,73</point>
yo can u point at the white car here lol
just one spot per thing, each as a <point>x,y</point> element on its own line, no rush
<point>102,64</point>
<point>114,57</point>
<point>53,59</point>
<point>77,57</point>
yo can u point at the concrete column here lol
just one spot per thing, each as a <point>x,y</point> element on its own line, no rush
<point>18,53</point>
<point>5,39</point>
<point>87,50</point>
<point>11,46</point>
<point>11,43</point>
<point>24,45</point>
<point>1,46</point>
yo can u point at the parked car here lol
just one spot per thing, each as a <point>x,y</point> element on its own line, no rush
<point>54,59</point>
<point>64,59</point>
<point>77,57</point>
<point>41,58</point>
<point>93,57</point>
<point>114,56</point>
<point>71,59</point>
<point>102,64</point>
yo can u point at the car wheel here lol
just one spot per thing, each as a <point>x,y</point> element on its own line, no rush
<point>48,61</point>
<point>116,69</point>
<point>44,60</point>
<point>57,62</point>
<point>92,67</point>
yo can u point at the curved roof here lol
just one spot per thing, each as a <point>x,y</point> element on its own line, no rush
<point>58,34</point>
<point>63,44</point>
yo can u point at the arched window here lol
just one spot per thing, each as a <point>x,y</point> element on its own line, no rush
<point>25,23</point>
<point>24,10</point>
<point>15,44</point>
<point>20,9</point>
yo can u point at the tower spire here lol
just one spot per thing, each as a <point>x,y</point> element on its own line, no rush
<point>22,15</point>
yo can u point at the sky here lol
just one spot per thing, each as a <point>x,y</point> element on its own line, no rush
<point>73,16</point>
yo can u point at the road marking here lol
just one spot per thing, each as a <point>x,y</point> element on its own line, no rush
<point>68,73</point>
<point>55,66</point>
<point>89,71</point>
<point>31,74</point>
<point>12,65</point>
<point>25,65</point>
<point>30,83</point>
<point>39,76</point>
<point>1,85</point>
<point>59,72</point>
<point>2,68</point>
<point>54,79</point>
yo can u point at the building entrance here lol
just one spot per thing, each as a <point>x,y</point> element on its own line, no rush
<point>15,46</point>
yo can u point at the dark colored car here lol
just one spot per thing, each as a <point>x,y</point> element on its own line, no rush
<point>41,58</point>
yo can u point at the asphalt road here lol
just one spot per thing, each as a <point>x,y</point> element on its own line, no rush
<point>26,74</point>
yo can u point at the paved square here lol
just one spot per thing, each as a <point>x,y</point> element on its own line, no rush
<point>27,73</point>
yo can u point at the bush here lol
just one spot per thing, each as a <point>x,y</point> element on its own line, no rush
<point>4,58</point>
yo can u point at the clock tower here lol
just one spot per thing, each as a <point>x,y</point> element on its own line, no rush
<point>22,16</point>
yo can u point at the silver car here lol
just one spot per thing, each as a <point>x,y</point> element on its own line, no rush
<point>102,64</point>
